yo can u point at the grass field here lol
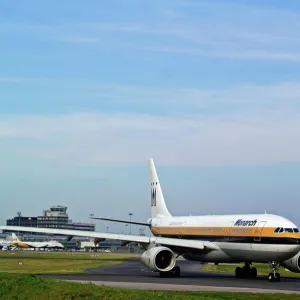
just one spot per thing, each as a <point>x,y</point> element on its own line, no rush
<point>262,269</point>
<point>58,263</point>
<point>34,288</point>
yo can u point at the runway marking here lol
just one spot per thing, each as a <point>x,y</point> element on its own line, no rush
<point>178,287</point>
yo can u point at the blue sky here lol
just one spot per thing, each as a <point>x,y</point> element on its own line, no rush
<point>209,89</point>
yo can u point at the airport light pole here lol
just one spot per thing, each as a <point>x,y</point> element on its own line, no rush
<point>30,224</point>
<point>19,215</point>
<point>130,214</point>
<point>91,215</point>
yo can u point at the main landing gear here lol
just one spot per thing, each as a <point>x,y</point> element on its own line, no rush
<point>248,272</point>
<point>275,276</point>
<point>245,272</point>
<point>175,272</point>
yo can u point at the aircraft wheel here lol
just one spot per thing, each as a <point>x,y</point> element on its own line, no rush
<point>274,277</point>
<point>277,277</point>
<point>253,272</point>
<point>162,274</point>
<point>246,272</point>
<point>271,277</point>
<point>238,272</point>
<point>176,271</point>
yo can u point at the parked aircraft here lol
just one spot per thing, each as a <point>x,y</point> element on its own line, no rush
<point>41,245</point>
<point>5,245</point>
<point>216,239</point>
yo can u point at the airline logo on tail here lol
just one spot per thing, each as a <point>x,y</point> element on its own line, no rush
<point>153,194</point>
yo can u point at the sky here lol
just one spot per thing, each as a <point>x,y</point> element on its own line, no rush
<point>90,90</point>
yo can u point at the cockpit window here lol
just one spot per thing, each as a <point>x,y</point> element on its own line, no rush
<point>281,230</point>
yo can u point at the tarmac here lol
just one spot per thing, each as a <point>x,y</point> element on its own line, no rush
<point>133,274</point>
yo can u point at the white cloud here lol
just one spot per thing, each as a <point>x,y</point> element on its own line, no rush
<point>248,55</point>
<point>82,40</point>
<point>12,79</point>
<point>93,139</point>
<point>281,96</point>
<point>173,14</point>
<point>170,100</point>
<point>239,125</point>
<point>26,79</point>
<point>206,28</point>
<point>5,80</point>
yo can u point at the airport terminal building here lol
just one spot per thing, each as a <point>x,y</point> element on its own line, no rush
<point>55,217</point>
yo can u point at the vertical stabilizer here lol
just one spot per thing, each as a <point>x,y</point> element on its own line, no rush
<point>158,205</point>
<point>14,237</point>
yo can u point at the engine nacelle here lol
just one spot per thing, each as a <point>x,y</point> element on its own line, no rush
<point>159,259</point>
<point>293,264</point>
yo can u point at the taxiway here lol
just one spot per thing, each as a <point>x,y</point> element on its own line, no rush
<point>132,274</point>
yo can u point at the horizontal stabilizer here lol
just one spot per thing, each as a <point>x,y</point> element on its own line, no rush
<point>121,221</point>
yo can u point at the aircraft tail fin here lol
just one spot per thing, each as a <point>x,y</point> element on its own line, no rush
<point>158,205</point>
<point>14,237</point>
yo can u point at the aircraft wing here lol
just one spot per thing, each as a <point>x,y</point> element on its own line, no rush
<point>171,242</point>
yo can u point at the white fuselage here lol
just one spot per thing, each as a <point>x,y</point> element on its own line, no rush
<point>44,245</point>
<point>243,238</point>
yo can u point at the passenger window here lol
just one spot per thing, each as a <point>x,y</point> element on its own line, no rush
<point>296,230</point>
<point>277,230</point>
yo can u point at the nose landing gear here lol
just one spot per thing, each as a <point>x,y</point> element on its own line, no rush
<point>246,271</point>
<point>275,276</point>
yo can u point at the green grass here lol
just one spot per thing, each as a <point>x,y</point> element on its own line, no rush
<point>262,269</point>
<point>56,263</point>
<point>36,288</point>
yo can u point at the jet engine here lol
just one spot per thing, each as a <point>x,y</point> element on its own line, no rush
<point>293,264</point>
<point>159,259</point>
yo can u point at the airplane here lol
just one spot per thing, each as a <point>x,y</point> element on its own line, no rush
<point>5,245</point>
<point>41,245</point>
<point>247,238</point>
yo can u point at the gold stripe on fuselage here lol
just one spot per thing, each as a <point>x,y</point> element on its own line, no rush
<point>223,231</point>
<point>20,245</point>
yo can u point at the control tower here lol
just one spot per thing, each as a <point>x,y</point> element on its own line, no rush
<point>54,217</point>
<point>56,211</point>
